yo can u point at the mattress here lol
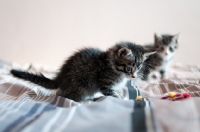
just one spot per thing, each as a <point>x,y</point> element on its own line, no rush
<point>27,107</point>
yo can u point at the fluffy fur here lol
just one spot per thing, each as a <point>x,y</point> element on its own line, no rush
<point>91,70</point>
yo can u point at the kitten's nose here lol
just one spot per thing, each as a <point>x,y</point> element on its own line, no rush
<point>134,75</point>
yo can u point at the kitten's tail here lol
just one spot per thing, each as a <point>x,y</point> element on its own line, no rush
<point>38,79</point>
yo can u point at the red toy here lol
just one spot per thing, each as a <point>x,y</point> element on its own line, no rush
<point>171,96</point>
<point>176,96</point>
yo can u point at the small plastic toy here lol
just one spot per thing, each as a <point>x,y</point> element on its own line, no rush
<point>171,96</point>
<point>139,98</point>
<point>176,96</point>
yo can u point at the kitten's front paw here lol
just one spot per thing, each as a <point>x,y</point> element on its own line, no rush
<point>164,76</point>
<point>118,94</point>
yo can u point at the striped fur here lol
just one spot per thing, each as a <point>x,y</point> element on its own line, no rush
<point>91,70</point>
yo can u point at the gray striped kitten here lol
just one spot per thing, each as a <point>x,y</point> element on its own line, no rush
<point>91,70</point>
<point>166,46</point>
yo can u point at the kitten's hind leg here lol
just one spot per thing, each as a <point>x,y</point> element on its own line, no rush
<point>73,95</point>
<point>163,74</point>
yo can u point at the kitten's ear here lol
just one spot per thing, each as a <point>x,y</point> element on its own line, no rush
<point>147,53</point>
<point>157,37</point>
<point>124,52</point>
<point>176,37</point>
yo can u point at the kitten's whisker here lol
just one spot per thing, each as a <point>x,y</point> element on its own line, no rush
<point>147,66</point>
<point>143,76</point>
<point>140,76</point>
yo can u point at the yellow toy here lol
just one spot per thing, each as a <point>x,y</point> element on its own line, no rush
<point>171,96</point>
<point>139,98</point>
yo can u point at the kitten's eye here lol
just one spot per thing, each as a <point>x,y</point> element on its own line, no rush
<point>171,49</point>
<point>129,69</point>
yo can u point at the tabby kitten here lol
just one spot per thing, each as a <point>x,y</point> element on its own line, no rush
<point>166,46</point>
<point>91,70</point>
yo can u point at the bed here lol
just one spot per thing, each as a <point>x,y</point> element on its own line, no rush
<point>26,107</point>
